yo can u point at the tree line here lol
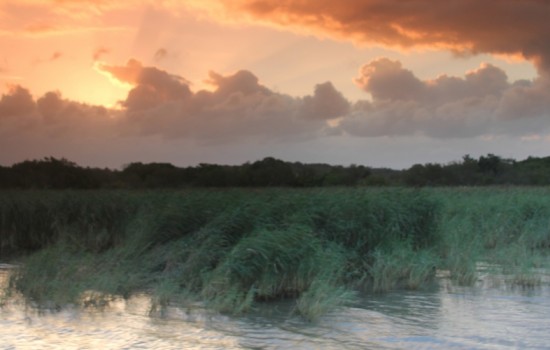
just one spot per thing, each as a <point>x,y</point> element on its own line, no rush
<point>53,173</point>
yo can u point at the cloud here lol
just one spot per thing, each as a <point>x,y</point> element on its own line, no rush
<point>242,82</point>
<point>504,27</point>
<point>41,28</point>
<point>99,52</point>
<point>52,58</point>
<point>386,79</point>
<point>128,74</point>
<point>151,86</point>
<point>325,104</point>
<point>18,102</point>
<point>52,115</point>
<point>161,54</point>
<point>39,19</point>
<point>162,113</point>
<point>480,103</point>
<point>55,110</point>
<point>507,27</point>
<point>237,107</point>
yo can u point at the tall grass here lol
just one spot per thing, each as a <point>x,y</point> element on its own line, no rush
<point>506,226</point>
<point>89,221</point>
<point>231,249</point>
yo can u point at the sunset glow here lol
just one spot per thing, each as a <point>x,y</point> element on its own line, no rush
<point>375,82</point>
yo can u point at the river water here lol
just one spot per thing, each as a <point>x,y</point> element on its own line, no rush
<point>491,314</point>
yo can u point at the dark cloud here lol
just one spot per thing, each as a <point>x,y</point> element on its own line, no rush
<point>386,79</point>
<point>325,104</point>
<point>464,26</point>
<point>237,107</point>
<point>242,82</point>
<point>18,102</point>
<point>155,87</point>
<point>482,102</point>
<point>55,110</point>
<point>161,54</point>
<point>50,114</point>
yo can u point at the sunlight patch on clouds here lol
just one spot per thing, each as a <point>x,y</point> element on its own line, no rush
<point>481,103</point>
<point>123,76</point>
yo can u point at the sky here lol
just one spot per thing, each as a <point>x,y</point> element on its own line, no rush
<point>382,83</point>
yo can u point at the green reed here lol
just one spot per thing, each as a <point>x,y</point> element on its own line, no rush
<point>231,249</point>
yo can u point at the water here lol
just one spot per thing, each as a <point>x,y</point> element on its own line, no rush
<point>489,315</point>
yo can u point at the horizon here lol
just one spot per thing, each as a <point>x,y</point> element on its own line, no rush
<point>378,83</point>
<point>124,165</point>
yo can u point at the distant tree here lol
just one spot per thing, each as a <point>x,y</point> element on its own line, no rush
<point>152,175</point>
<point>489,163</point>
<point>211,175</point>
<point>430,174</point>
<point>375,181</point>
<point>467,172</point>
<point>52,173</point>
<point>270,172</point>
<point>61,173</point>
<point>305,175</point>
<point>415,175</point>
<point>532,171</point>
<point>5,177</point>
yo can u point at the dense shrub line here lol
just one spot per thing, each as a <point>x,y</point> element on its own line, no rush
<point>52,173</point>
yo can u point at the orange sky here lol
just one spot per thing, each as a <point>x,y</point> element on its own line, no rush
<point>377,82</point>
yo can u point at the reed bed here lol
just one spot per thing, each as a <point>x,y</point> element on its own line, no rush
<point>231,249</point>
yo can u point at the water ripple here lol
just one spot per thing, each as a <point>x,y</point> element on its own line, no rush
<point>446,317</point>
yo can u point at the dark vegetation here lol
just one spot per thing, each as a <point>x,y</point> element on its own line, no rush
<point>233,248</point>
<point>52,173</point>
<point>215,234</point>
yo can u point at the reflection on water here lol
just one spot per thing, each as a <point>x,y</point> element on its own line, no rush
<point>487,316</point>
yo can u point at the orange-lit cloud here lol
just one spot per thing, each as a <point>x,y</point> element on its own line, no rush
<point>40,27</point>
<point>250,100</point>
<point>53,57</point>
<point>56,18</point>
<point>238,107</point>
<point>128,74</point>
<point>162,104</point>
<point>518,28</point>
<point>509,27</point>
<point>482,102</point>
<point>99,52</point>
<point>161,108</point>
